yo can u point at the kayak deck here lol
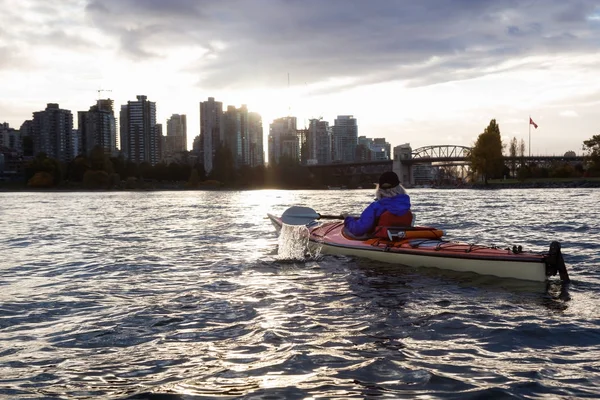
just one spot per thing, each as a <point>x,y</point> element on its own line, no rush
<point>332,234</point>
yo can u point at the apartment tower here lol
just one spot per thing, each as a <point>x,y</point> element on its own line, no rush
<point>97,127</point>
<point>211,130</point>
<point>255,138</point>
<point>283,139</point>
<point>176,139</point>
<point>52,131</point>
<point>344,138</point>
<point>319,142</point>
<point>140,139</point>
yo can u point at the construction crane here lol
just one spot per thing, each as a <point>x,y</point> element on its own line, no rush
<point>102,90</point>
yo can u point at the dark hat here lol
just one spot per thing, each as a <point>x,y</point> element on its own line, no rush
<point>388,180</point>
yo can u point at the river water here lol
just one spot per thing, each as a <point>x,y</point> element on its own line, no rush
<point>183,295</point>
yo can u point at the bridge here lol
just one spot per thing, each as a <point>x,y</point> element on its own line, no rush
<point>350,175</point>
<point>439,153</point>
<point>421,166</point>
<point>440,162</point>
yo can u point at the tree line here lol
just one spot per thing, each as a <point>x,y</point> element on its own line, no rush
<point>488,161</point>
<point>100,171</point>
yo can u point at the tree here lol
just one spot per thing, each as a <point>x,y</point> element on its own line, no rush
<point>77,169</point>
<point>43,163</point>
<point>512,152</point>
<point>194,181</point>
<point>96,179</point>
<point>99,161</point>
<point>522,148</point>
<point>562,170</point>
<point>592,154</point>
<point>223,165</point>
<point>486,156</point>
<point>144,170</point>
<point>201,172</point>
<point>120,166</point>
<point>41,179</point>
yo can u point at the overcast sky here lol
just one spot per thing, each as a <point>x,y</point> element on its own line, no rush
<point>420,72</point>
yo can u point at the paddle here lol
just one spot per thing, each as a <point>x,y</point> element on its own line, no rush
<point>303,215</point>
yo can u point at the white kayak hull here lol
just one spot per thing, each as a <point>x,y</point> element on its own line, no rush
<point>526,270</point>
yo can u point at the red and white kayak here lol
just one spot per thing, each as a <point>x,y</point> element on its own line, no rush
<point>424,247</point>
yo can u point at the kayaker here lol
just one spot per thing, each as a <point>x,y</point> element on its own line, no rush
<point>391,208</point>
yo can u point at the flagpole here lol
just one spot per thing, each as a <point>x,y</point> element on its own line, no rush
<point>530,137</point>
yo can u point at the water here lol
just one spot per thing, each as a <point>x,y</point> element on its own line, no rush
<point>183,295</point>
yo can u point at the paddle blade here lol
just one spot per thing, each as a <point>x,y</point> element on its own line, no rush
<point>299,216</point>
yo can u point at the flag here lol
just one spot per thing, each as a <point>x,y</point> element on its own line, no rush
<point>532,123</point>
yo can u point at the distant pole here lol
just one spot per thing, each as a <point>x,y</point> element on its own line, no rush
<point>529,137</point>
<point>289,98</point>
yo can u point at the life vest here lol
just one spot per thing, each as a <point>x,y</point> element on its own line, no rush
<point>387,219</point>
<point>390,226</point>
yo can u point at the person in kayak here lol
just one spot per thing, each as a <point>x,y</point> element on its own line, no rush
<point>391,208</point>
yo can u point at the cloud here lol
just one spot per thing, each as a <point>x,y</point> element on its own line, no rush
<point>32,27</point>
<point>315,40</point>
<point>11,58</point>
<point>569,114</point>
<point>261,41</point>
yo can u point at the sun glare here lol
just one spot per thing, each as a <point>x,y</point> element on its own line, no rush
<point>269,103</point>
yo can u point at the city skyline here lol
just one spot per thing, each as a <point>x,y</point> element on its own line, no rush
<point>429,73</point>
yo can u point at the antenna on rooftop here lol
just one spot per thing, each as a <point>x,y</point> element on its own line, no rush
<point>289,101</point>
<point>102,90</point>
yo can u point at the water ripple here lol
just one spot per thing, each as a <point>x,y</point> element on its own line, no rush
<point>184,295</point>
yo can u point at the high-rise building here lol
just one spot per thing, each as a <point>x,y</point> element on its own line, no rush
<point>159,142</point>
<point>10,152</point>
<point>244,158</point>
<point>303,140</point>
<point>255,138</point>
<point>283,139</point>
<point>344,138</point>
<point>363,150</point>
<point>319,142</point>
<point>26,131</point>
<point>211,130</point>
<point>290,147</point>
<point>176,139</point>
<point>236,134</point>
<point>381,150</point>
<point>97,127</point>
<point>76,141</point>
<point>10,137</point>
<point>51,132</point>
<point>140,139</point>
<point>372,149</point>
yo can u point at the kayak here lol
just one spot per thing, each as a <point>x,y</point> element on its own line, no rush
<point>425,247</point>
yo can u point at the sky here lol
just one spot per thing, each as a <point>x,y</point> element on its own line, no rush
<point>431,72</point>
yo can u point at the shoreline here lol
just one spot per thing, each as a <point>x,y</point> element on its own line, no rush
<point>540,184</point>
<point>550,184</point>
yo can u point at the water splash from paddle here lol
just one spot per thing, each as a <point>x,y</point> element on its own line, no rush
<point>293,242</point>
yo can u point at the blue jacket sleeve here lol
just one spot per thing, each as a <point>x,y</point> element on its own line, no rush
<point>365,223</point>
